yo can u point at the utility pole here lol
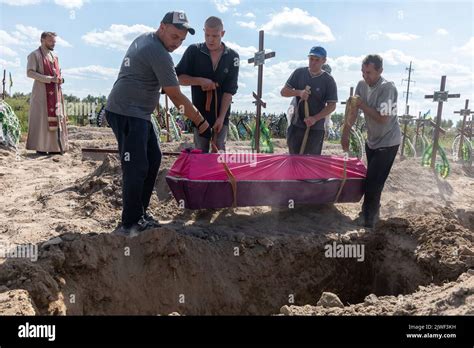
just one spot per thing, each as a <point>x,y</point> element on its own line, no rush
<point>409,69</point>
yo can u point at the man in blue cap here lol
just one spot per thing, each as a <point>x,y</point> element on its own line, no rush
<point>321,98</point>
<point>146,69</point>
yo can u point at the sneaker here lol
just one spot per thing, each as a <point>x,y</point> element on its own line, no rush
<point>359,220</point>
<point>150,220</point>
<point>370,222</point>
<point>131,232</point>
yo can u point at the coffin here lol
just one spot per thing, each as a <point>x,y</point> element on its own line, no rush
<point>200,181</point>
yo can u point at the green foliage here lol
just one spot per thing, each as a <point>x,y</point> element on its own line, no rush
<point>20,103</point>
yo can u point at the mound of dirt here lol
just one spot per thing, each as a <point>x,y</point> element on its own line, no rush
<point>162,271</point>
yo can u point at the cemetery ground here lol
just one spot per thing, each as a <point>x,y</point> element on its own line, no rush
<point>256,260</point>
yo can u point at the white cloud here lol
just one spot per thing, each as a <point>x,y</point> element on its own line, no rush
<point>250,25</point>
<point>70,4</point>
<point>224,5</point>
<point>244,52</point>
<point>298,24</point>
<point>392,36</point>
<point>9,64</point>
<point>7,52</point>
<point>249,15</point>
<point>402,36</point>
<point>92,72</point>
<point>466,49</point>
<point>28,36</point>
<point>7,39</point>
<point>118,36</point>
<point>20,2</point>
<point>442,31</point>
<point>345,63</point>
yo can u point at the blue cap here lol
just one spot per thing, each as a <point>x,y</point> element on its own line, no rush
<point>318,51</point>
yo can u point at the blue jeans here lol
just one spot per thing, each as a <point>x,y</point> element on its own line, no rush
<point>140,156</point>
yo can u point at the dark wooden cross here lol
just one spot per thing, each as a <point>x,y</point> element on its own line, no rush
<point>464,113</point>
<point>258,60</point>
<point>3,82</point>
<point>440,97</point>
<point>420,123</point>
<point>167,118</point>
<point>351,93</point>
<point>405,120</point>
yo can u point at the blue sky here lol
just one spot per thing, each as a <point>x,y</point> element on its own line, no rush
<point>94,35</point>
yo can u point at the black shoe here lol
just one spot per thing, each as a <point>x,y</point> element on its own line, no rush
<point>150,220</point>
<point>369,223</point>
<point>359,220</point>
<point>131,231</point>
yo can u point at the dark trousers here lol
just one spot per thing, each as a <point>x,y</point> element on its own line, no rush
<point>379,163</point>
<point>314,144</point>
<point>140,156</point>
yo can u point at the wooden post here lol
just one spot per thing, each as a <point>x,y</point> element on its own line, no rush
<point>258,60</point>
<point>406,119</point>
<point>3,82</point>
<point>441,97</point>
<point>167,117</point>
<point>464,113</point>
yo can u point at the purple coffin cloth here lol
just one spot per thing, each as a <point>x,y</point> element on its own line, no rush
<point>200,180</point>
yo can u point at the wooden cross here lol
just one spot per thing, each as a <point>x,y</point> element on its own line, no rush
<point>464,113</point>
<point>3,82</point>
<point>405,120</point>
<point>167,116</point>
<point>440,96</point>
<point>258,60</point>
<point>351,93</point>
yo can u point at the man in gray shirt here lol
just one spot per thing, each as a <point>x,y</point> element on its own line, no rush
<point>146,69</point>
<point>378,101</point>
<point>322,99</point>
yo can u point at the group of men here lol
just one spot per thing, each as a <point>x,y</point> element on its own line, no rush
<point>211,68</point>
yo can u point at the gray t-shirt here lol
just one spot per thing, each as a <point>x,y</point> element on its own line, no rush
<point>146,68</point>
<point>323,90</point>
<point>382,97</point>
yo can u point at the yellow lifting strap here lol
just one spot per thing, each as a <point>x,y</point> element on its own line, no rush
<point>231,176</point>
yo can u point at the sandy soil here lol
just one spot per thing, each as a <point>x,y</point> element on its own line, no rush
<point>256,260</point>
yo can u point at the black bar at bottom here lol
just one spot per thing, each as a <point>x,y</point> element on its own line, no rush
<point>222,330</point>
